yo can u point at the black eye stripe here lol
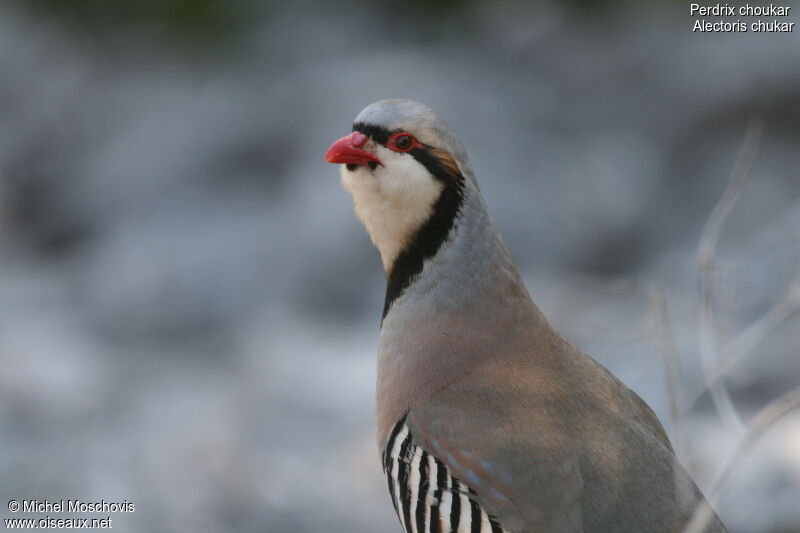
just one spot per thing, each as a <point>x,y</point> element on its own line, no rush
<point>378,133</point>
<point>421,153</point>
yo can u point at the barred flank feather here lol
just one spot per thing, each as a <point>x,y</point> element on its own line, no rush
<point>426,496</point>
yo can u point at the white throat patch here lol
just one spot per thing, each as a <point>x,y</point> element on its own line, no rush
<point>392,201</point>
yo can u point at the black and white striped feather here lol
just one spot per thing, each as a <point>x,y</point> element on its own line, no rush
<point>425,494</point>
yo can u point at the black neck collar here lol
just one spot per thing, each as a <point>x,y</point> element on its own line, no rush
<point>429,238</point>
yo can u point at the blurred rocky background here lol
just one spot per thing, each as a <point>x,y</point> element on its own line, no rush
<point>189,310</point>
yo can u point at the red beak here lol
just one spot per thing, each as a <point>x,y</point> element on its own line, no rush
<point>346,150</point>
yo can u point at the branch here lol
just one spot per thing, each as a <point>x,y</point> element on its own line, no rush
<point>672,369</point>
<point>759,330</point>
<point>763,421</point>
<point>708,340</point>
<point>784,308</point>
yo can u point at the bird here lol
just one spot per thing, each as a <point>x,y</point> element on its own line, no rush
<point>488,420</point>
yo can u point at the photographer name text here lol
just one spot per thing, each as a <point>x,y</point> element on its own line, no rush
<point>75,506</point>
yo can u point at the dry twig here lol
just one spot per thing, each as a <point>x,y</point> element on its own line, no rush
<point>717,360</point>
<point>785,308</point>
<point>759,425</point>
<point>672,370</point>
<point>708,340</point>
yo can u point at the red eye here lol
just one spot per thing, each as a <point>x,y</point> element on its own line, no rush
<point>402,142</point>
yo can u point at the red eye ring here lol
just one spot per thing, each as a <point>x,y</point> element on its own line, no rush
<point>402,141</point>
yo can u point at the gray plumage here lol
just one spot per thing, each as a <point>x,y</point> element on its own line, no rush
<point>544,437</point>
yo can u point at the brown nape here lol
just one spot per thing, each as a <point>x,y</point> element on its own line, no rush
<point>446,161</point>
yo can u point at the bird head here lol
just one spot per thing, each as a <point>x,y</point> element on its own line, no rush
<point>404,169</point>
